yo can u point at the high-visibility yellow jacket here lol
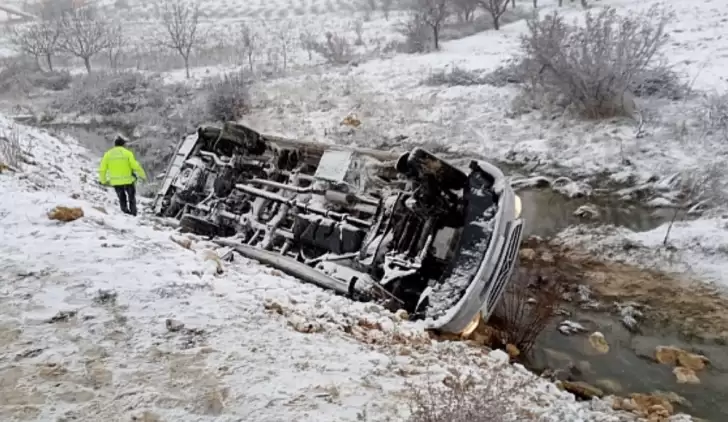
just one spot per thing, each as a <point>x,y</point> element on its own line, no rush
<point>119,166</point>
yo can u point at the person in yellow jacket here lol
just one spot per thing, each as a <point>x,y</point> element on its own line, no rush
<point>121,170</point>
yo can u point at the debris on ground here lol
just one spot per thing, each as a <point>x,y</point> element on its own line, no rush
<point>65,214</point>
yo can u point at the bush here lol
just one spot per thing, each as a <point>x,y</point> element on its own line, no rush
<point>715,115</point>
<point>336,49</point>
<point>527,307</point>
<point>228,98</point>
<point>53,81</point>
<point>418,37</point>
<point>108,93</point>
<point>11,150</point>
<point>455,77</point>
<point>592,68</point>
<point>490,397</point>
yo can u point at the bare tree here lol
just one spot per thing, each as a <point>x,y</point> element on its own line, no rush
<point>249,44</point>
<point>308,42</point>
<point>386,6</point>
<point>181,19</point>
<point>496,8</point>
<point>433,14</point>
<point>117,43</point>
<point>285,38</point>
<point>37,39</point>
<point>465,9</point>
<point>83,34</point>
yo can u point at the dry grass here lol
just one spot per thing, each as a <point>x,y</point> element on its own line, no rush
<point>526,309</point>
<point>488,397</point>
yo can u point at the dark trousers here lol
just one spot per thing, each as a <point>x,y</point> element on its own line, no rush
<point>127,198</point>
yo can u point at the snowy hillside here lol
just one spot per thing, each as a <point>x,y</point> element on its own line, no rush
<point>105,318</point>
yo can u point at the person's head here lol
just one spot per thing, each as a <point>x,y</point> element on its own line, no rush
<point>119,141</point>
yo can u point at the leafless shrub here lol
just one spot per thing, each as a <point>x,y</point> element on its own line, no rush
<point>11,150</point>
<point>527,307</point>
<point>359,31</point>
<point>336,49</point>
<point>659,81</point>
<point>592,68</point>
<point>248,44</point>
<point>432,14</point>
<point>465,9</point>
<point>456,29</point>
<point>285,38</point>
<point>308,42</point>
<point>386,6</point>
<point>417,34</point>
<point>714,116</point>
<point>697,188</point>
<point>228,98</point>
<point>108,93</point>
<point>495,8</point>
<point>455,76</point>
<point>22,77</point>
<point>180,19</point>
<point>83,34</point>
<point>491,396</point>
<point>116,45</point>
<point>36,39</point>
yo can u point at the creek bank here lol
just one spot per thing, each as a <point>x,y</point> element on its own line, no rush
<point>658,335</point>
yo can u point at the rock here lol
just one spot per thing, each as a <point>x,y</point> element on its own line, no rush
<point>654,408</point>
<point>587,211</point>
<point>499,356</point>
<point>173,325</point>
<point>65,214</point>
<point>670,355</point>
<point>599,343</point>
<point>609,385</point>
<point>582,389</point>
<point>146,416</point>
<point>62,316</point>
<point>183,241</point>
<point>570,327</point>
<point>527,254</point>
<point>685,376</point>
<point>673,398</point>
<point>303,326</point>
<point>351,121</point>
<point>401,315</point>
<point>512,351</point>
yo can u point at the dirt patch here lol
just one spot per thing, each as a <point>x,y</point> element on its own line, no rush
<point>694,308</point>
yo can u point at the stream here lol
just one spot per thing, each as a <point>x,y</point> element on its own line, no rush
<point>630,365</point>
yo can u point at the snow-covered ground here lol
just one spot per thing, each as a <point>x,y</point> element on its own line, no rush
<point>84,333</point>
<point>697,249</point>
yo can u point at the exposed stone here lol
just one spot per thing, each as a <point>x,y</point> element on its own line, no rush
<point>401,314</point>
<point>512,351</point>
<point>685,375</point>
<point>670,355</point>
<point>587,211</point>
<point>652,407</point>
<point>527,254</point>
<point>173,325</point>
<point>609,385</point>
<point>599,343</point>
<point>582,389</point>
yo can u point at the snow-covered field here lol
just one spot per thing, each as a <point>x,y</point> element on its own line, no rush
<point>84,333</point>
